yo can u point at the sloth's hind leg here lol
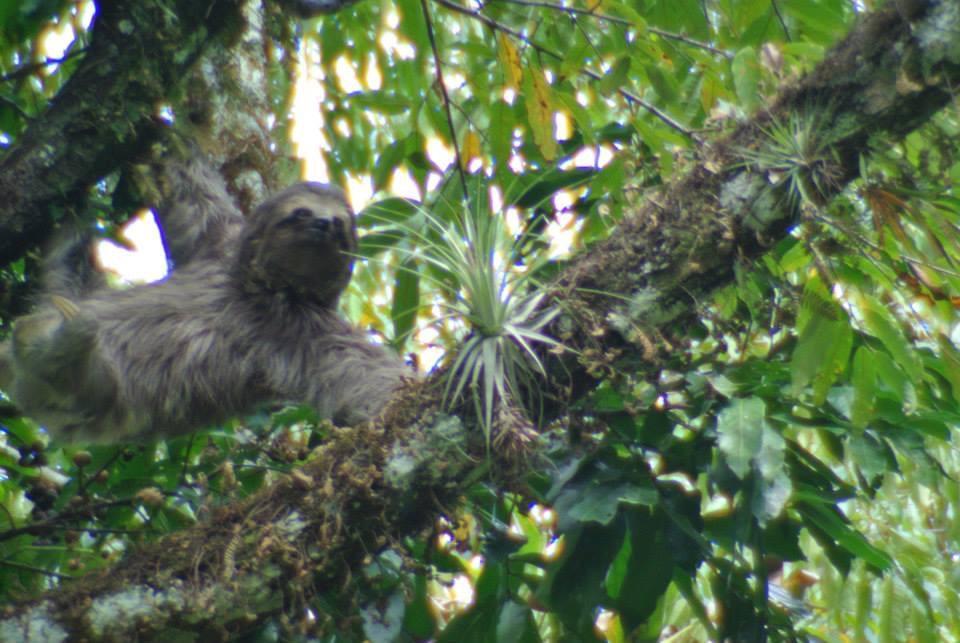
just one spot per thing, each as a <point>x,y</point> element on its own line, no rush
<point>59,376</point>
<point>55,342</point>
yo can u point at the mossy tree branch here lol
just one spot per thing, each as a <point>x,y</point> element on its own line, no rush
<point>897,68</point>
<point>105,113</point>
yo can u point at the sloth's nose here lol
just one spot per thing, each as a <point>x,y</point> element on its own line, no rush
<point>330,229</point>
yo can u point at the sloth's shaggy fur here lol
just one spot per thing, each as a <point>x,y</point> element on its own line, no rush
<point>247,316</point>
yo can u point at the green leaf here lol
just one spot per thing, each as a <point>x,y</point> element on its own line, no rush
<point>515,623</point>
<point>436,119</point>
<point>832,522</point>
<point>824,19</point>
<point>821,354</point>
<point>380,101</point>
<point>664,84</point>
<point>574,586</point>
<point>580,115</point>
<point>573,60</point>
<point>21,19</point>
<point>332,38</point>
<point>534,190</point>
<point>864,380</point>
<point>606,399</point>
<point>684,584</point>
<point>881,324</point>
<point>418,619</point>
<point>599,501</point>
<point>745,70</point>
<point>392,210</point>
<point>376,243</point>
<point>406,300</point>
<point>680,16</point>
<point>413,26</point>
<point>823,348</point>
<point>642,569</point>
<point>616,77</point>
<point>891,375</point>
<point>873,456</point>
<point>387,162</point>
<point>947,365</point>
<point>625,10</point>
<point>775,486</point>
<point>490,583</point>
<point>741,427</point>
<point>476,623</point>
<point>502,124</point>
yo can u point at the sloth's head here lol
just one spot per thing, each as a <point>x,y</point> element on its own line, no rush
<point>300,242</point>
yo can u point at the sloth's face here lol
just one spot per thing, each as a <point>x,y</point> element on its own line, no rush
<point>303,240</point>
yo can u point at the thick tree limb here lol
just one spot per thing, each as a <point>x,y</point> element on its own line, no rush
<point>357,494</point>
<point>368,485</point>
<point>886,78</point>
<point>139,53</point>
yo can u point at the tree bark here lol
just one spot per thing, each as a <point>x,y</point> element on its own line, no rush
<point>891,73</point>
<point>367,486</point>
<point>106,112</point>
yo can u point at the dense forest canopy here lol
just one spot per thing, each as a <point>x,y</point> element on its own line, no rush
<point>689,272</point>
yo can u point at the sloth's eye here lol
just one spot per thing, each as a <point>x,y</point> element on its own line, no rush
<point>297,216</point>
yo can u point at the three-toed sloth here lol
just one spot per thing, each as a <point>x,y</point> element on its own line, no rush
<point>247,316</point>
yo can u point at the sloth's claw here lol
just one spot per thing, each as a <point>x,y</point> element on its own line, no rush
<point>66,307</point>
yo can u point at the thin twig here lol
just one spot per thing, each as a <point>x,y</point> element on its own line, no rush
<point>26,70</point>
<point>669,35</point>
<point>687,40</point>
<point>559,7</point>
<point>19,110</point>
<point>783,23</point>
<point>47,526</point>
<point>859,238</point>
<point>13,524</point>
<point>186,460</point>
<point>106,530</point>
<point>693,42</point>
<point>83,483</point>
<point>446,98</point>
<point>493,24</point>
<point>37,570</point>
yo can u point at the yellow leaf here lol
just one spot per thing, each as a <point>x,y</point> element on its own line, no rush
<point>471,148</point>
<point>710,91</point>
<point>538,98</point>
<point>510,59</point>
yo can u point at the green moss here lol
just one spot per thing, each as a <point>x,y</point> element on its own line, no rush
<point>437,443</point>
<point>122,609</point>
<point>33,625</point>
<point>751,199</point>
<point>937,35</point>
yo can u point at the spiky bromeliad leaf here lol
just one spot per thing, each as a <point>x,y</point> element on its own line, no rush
<point>798,154</point>
<point>497,363</point>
